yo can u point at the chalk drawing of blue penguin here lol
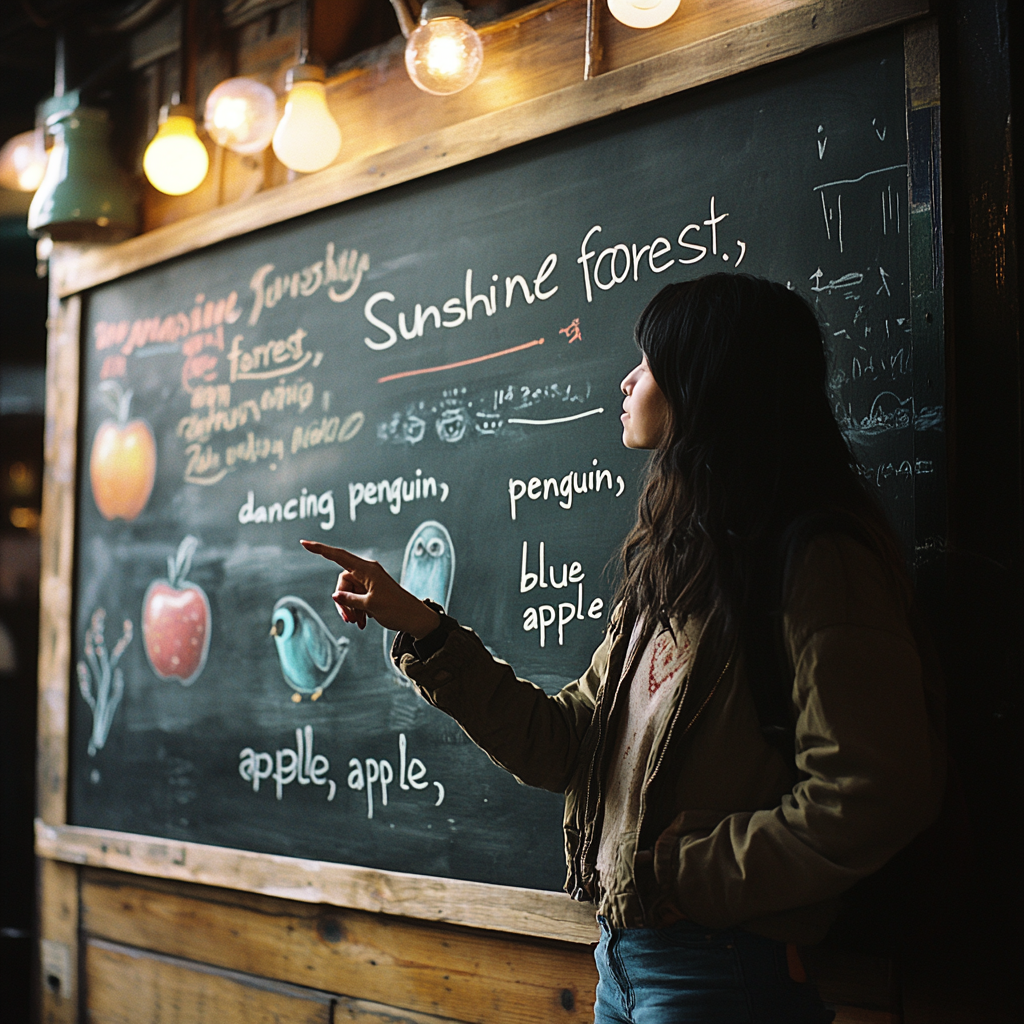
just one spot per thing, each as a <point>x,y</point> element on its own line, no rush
<point>428,570</point>
<point>309,653</point>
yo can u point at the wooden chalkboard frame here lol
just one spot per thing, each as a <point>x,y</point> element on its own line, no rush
<point>793,30</point>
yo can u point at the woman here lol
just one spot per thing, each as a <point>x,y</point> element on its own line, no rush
<point>754,733</point>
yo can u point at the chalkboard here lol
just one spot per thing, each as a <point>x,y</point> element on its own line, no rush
<point>429,376</point>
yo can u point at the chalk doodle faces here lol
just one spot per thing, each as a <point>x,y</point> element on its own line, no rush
<point>176,620</point>
<point>428,570</point>
<point>122,464</point>
<point>309,653</point>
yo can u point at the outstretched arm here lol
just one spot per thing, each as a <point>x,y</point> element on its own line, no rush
<point>535,736</point>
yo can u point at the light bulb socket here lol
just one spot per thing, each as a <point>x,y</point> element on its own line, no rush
<point>442,9</point>
<point>304,73</point>
<point>169,110</point>
<point>51,110</point>
<point>642,14</point>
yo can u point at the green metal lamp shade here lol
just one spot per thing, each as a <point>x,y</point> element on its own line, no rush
<point>84,196</point>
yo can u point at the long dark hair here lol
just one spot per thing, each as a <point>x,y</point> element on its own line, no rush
<point>753,456</point>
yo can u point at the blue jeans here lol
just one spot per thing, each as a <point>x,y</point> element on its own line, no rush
<point>686,974</point>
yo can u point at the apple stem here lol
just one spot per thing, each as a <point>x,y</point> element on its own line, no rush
<point>117,400</point>
<point>124,408</point>
<point>179,564</point>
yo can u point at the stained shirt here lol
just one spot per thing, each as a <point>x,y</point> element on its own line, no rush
<point>660,671</point>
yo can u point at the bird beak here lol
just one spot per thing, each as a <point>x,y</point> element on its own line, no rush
<point>274,630</point>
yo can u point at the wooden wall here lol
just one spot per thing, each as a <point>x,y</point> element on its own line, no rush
<point>124,938</point>
<point>159,951</point>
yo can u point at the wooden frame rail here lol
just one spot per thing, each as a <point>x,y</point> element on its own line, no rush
<point>549,915</point>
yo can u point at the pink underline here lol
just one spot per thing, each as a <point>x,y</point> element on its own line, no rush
<point>463,362</point>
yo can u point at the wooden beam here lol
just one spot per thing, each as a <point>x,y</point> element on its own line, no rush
<point>58,535</point>
<point>411,966</point>
<point>128,985</point>
<point>58,942</point>
<point>133,985</point>
<point>475,904</point>
<point>378,970</point>
<point>757,39</point>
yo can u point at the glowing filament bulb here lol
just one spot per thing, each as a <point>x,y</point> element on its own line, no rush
<point>230,114</point>
<point>443,54</point>
<point>241,115</point>
<point>176,160</point>
<point>23,161</point>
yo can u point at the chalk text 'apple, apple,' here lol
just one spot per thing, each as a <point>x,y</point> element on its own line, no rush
<point>373,776</point>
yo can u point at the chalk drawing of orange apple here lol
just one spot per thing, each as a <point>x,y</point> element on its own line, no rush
<point>176,620</point>
<point>122,466</point>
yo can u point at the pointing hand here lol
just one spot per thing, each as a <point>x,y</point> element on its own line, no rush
<point>365,590</point>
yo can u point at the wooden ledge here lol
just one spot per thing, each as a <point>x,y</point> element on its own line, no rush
<point>548,915</point>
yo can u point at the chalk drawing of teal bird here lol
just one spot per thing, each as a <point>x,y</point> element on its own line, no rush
<point>428,570</point>
<point>309,652</point>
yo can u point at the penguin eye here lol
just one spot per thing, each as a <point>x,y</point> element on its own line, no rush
<point>435,547</point>
<point>284,624</point>
<point>418,549</point>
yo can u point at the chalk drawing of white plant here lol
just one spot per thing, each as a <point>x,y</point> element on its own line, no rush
<point>102,682</point>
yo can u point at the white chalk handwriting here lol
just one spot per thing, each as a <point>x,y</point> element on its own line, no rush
<point>287,765</point>
<point>547,576</point>
<point>617,263</point>
<point>368,772</point>
<point>395,493</point>
<point>453,312</point>
<point>306,506</point>
<point>564,489</point>
<point>458,414</point>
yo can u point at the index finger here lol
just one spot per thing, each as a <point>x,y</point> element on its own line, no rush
<point>337,555</point>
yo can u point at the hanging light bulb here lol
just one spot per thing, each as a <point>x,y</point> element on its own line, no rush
<point>444,53</point>
<point>307,138</point>
<point>176,160</point>
<point>241,115</point>
<point>643,13</point>
<point>83,196</point>
<point>23,161</point>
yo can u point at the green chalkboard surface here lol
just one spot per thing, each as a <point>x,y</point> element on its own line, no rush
<point>429,376</point>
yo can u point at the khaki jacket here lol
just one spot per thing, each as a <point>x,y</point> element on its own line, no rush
<point>737,839</point>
